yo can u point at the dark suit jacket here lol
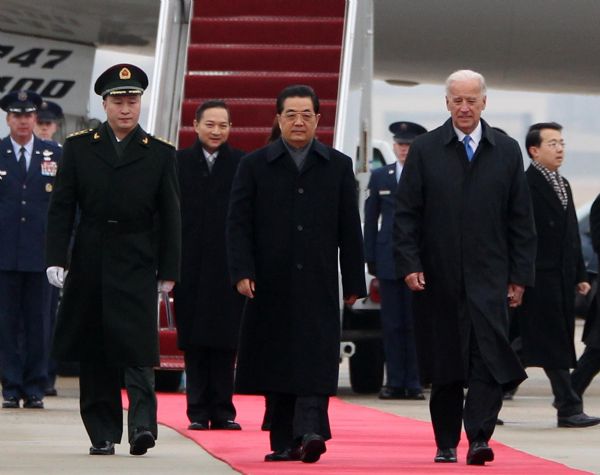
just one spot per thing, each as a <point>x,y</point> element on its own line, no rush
<point>24,205</point>
<point>469,227</point>
<point>208,308</point>
<point>591,331</point>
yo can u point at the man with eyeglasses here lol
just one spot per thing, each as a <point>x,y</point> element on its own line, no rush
<point>293,209</point>
<point>547,316</point>
<point>208,308</point>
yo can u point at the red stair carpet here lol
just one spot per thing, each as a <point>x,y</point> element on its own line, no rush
<point>245,52</point>
<point>365,441</point>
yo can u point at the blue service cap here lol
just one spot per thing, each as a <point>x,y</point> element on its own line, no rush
<point>405,132</point>
<point>21,102</point>
<point>49,111</point>
<point>121,79</point>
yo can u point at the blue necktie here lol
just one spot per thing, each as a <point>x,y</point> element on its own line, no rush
<point>468,148</point>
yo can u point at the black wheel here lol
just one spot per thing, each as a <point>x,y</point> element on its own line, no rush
<point>167,381</point>
<point>366,366</point>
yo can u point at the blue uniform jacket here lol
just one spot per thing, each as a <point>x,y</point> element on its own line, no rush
<point>379,246</point>
<point>24,205</point>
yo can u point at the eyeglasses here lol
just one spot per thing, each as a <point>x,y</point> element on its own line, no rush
<point>554,144</point>
<point>304,116</point>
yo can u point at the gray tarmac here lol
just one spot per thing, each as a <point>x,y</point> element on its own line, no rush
<point>53,440</point>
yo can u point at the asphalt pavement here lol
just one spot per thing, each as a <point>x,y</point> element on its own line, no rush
<point>53,440</point>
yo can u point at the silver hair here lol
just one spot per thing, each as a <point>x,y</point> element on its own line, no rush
<point>466,75</point>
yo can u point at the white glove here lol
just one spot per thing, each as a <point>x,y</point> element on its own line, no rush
<point>165,285</point>
<point>56,276</point>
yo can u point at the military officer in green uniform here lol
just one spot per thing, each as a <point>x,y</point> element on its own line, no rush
<point>122,183</point>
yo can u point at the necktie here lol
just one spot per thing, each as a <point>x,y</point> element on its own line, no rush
<point>468,149</point>
<point>22,162</point>
<point>210,160</point>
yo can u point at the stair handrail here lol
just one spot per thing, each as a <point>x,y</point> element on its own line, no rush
<point>172,39</point>
<point>353,110</point>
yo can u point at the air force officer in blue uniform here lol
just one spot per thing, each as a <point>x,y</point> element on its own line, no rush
<point>28,166</point>
<point>396,312</point>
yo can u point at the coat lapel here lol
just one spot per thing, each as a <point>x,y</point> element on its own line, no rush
<point>276,152</point>
<point>103,148</point>
<point>545,189</point>
<point>8,161</point>
<point>316,153</point>
<point>136,149</point>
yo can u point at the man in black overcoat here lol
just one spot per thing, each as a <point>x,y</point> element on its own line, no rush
<point>207,307</point>
<point>465,238</point>
<point>123,183</point>
<point>547,316</point>
<point>588,364</point>
<point>293,209</point>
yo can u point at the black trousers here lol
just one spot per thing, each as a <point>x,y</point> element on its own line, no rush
<point>479,410</point>
<point>588,366</point>
<point>294,416</point>
<point>24,333</point>
<point>100,400</point>
<point>566,399</point>
<point>209,384</point>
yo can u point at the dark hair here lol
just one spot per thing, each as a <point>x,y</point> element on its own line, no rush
<point>534,138</point>
<point>297,90</point>
<point>212,104</point>
<point>275,132</point>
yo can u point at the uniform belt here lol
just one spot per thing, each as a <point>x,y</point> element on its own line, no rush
<point>118,226</point>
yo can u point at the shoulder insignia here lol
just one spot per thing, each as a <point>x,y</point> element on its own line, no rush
<point>160,139</point>
<point>80,132</point>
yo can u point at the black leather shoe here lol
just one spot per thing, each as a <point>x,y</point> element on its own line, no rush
<point>50,392</point>
<point>388,392</point>
<point>445,456</point>
<point>11,402</point>
<point>313,445</point>
<point>415,395</point>
<point>33,402</point>
<point>479,453</point>
<point>198,426</point>
<point>141,441</point>
<point>103,448</point>
<point>287,455</point>
<point>225,425</point>
<point>578,420</point>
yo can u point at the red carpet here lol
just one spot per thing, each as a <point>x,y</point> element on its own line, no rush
<point>365,441</point>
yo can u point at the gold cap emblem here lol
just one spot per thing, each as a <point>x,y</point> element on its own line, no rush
<point>124,74</point>
<point>48,187</point>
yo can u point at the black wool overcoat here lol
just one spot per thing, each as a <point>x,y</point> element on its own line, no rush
<point>128,237</point>
<point>469,227</point>
<point>207,307</point>
<point>547,316</point>
<point>591,331</point>
<point>285,230</point>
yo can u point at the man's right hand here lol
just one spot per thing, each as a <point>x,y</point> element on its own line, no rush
<point>415,281</point>
<point>56,276</point>
<point>246,287</point>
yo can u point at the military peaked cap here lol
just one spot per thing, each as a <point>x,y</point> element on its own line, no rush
<point>121,79</point>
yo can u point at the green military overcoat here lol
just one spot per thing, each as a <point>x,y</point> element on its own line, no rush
<point>121,217</point>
